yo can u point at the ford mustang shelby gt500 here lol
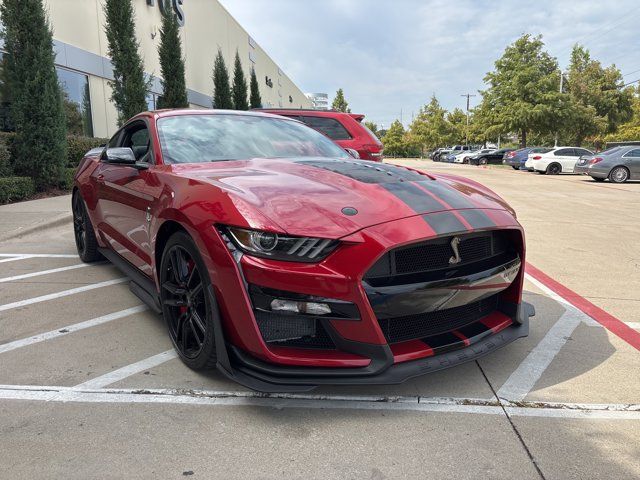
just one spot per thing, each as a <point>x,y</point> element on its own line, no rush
<point>285,263</point>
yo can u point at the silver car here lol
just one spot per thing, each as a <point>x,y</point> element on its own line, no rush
<point>618,164</point>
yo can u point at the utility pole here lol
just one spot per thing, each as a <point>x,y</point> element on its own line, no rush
<point>466,135</point>
<point>555,141</point>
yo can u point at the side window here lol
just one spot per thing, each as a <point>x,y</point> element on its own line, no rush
<point>582,151</point>
<point>633,153</point>
<point>564,152</point>
<point>113,143</point>
<point>136,137</point>
<point>329,126</point>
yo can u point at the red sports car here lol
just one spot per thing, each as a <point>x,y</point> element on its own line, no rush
<point>285,263</point>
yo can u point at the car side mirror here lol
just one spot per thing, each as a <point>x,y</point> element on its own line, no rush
<point>124,156</point>
<point>352,152</point>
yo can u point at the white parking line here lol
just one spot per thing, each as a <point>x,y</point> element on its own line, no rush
<point>41,337</point>
<point>128,370</point>
<point>414,404</point>
<point>13,259</point>
<point>64,293</point>
<point>43,272</point>
<point>524,378</point>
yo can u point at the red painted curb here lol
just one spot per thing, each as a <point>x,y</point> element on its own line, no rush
<point>608,321</point>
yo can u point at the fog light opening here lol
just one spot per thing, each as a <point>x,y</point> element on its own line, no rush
<point>309,308</point>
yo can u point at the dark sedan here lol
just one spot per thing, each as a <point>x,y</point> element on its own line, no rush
<point>491,157</point>
<point>618,164</point>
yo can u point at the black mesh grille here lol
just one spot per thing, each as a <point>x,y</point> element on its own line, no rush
<point>419,326</point>
<point>293,331</point>
<point>435,254</point>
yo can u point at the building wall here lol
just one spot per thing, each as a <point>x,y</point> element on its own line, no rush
<point>81,45</point>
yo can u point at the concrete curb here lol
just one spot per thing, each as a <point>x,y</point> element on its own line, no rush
<point>55,221</point>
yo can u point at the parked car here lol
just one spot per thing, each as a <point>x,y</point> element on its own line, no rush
<point>346,129</point>
<point>466,156</point>
<point>618,164</point>
<point>557,160</point>
<point>518,158</point>
<point>277,258</point>
<point>459,158</point>
<point>494,156</point>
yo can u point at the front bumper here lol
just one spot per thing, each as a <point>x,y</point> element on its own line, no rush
<point>363,352</point>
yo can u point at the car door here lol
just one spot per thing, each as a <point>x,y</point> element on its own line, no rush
<point>632,162</point>
<point>566,157</point>
<point>126,195</point>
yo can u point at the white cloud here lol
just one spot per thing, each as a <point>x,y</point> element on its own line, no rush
<point>392,55</point>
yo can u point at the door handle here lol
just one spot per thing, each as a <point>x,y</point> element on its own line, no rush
<point>100,178</point>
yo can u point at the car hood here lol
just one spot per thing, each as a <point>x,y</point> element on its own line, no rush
<point>318,196</point>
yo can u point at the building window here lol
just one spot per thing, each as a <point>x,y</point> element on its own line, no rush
<point>77,102</point>
<point>252,56</point>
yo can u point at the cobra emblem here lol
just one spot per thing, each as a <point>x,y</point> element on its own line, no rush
<point>455,259</point>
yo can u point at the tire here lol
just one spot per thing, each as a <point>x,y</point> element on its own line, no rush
<point>597,179</point>
<point>482,161</point>
<point>554,169</point>
<point>515,168</point>
<point>619,175</point>
<point>186,306</point>
<point>83,233</point>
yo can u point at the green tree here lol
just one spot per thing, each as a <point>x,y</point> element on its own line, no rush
<point>239,89</point>
<point>129,88</point>
<point>394,140</point>
<point>430,128</point>
<point>339,103</point>
<point>255,101</point>
<point>457,127</point>
<point>523,90</point>
<point>39,148</point>
<point>599,104</point>
<point>631,129</point>
<point>373,127</point>
<point>221,89</point>
<point>174,88</point>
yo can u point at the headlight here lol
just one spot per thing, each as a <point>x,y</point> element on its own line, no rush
<point>279,246</point>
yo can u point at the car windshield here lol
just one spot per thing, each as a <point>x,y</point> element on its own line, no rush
<point>214,138</point>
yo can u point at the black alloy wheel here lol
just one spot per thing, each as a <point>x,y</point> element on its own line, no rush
<point>619,175</point>
<point>554,169</point>
<point>86,242</point>
<point>186,305</point>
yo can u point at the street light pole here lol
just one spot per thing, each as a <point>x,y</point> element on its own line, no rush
<point>466,134</point>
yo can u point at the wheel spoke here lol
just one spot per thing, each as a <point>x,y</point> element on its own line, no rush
<point>172,302</point>
<point>197,290</point>
<point>173,288</point>
<point>180,331</point>
<point>194,333</point>
<point>195,316</point>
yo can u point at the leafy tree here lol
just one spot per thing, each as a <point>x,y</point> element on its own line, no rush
<point>430,128</point>
<point>631,129</point>
<point>75,120</point>
<point>221,89</point>
<point>239,89</point>
<point>373,127</point>
<point>457,127</point>
<point>598,103</point>
<point>39,148</point>
<point>255,101</point>
<point>174,88</point>
<point>339,103</point>
<point>129,85</point>
<point>523,90</point>
<point>394,141</point>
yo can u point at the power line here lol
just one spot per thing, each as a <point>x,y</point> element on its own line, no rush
<point>627,74</point>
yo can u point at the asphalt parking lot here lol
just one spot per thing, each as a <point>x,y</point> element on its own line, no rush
<point>90,387</point>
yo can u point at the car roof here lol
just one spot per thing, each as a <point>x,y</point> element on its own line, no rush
<point>173,112</point>
<point>311,111</point>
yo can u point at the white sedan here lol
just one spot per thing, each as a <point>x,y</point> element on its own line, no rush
<point>555,161</point>
<point>460,158</point>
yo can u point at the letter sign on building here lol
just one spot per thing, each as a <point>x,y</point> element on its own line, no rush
<point>177,8</point>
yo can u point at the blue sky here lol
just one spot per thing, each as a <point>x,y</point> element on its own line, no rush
<point>394,54</point>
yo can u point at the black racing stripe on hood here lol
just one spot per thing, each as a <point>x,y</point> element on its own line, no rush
<point>364,171</point>
<point>477,218</point>
<point>415,198</point>
<point>450,195</point>
<point>444,223</point>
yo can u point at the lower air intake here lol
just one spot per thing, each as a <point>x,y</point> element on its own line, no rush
<point>293,331</point>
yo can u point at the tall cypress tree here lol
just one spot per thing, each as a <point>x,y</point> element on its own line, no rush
<point>254,99</point>
<point>174,89</point>
<point>40,148</point>
<point>129,86</point>
<point>221,89</point>
<point>239,89</point>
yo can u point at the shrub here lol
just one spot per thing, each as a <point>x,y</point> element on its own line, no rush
<point>13,189</point>
<point>67,179</point>
<point>78,146</point>
<point>5,164</point>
